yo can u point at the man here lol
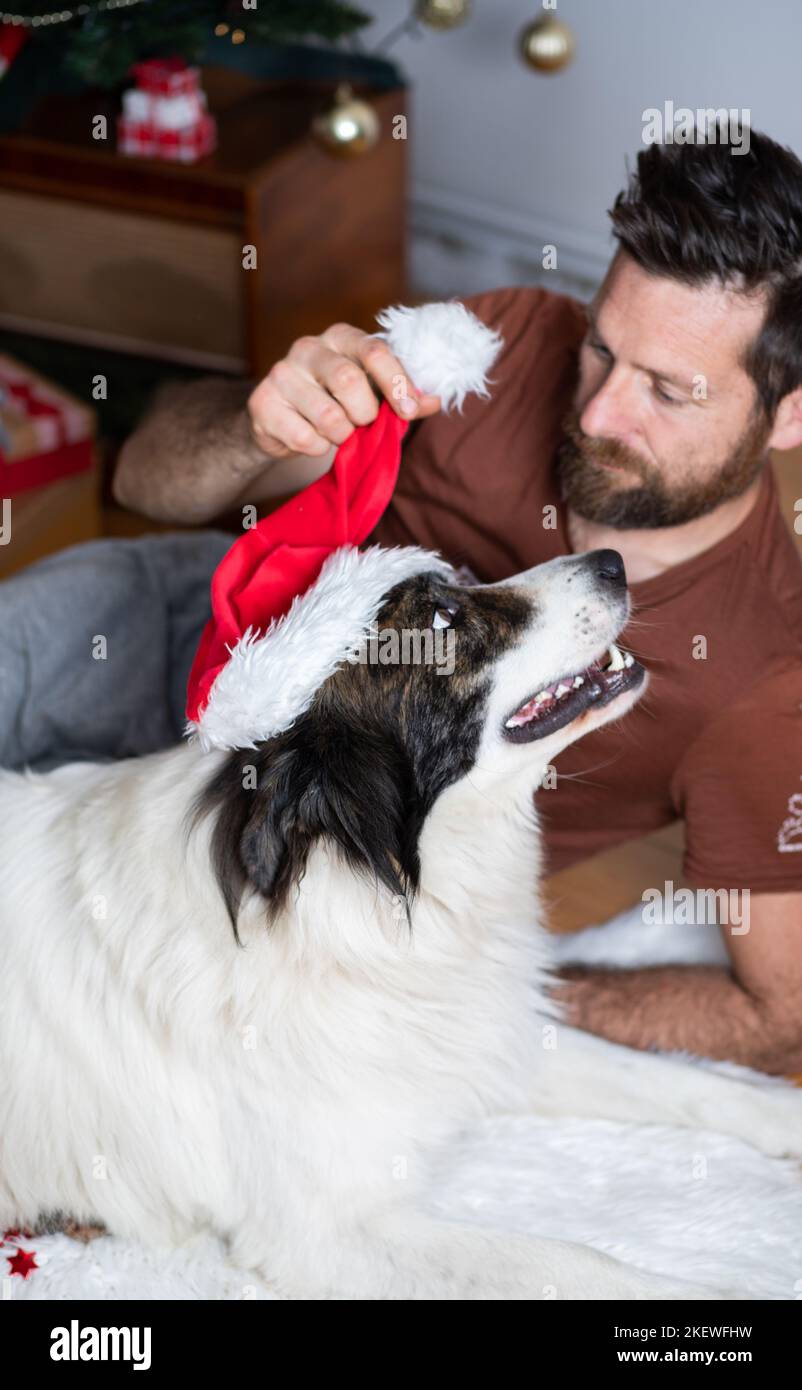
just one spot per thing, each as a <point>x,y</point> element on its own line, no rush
<point>642,424</point>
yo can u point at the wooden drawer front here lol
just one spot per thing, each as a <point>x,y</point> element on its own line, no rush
<point>142,284</point>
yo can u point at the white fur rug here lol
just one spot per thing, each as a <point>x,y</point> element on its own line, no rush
<point>686,1204</point>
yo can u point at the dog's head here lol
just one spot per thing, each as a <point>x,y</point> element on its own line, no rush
<point>489,681</point>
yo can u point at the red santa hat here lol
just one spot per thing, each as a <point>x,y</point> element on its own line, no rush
<point>294,595</point>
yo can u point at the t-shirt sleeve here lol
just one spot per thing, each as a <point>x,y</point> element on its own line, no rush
<point>738,788</point>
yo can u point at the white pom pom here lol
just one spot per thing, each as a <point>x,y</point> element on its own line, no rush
<point>445,348</point>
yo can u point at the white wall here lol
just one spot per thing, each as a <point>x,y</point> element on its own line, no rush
<point>505,160</point>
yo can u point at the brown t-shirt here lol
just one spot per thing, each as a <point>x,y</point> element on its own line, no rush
<point>717,741</point>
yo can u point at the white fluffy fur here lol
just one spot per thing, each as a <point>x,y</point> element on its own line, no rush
<point>445,348</point>
<point>271,679</point>
<point>637,1191</point>
<point>291,1097</point>
<point>640,1192</point>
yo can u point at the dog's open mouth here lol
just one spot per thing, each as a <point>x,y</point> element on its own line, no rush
<point>559,704</point>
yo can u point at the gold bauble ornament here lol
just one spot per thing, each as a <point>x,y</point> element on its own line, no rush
<point>442,14</point>
<point>547,44</point>
<point>351,126</point>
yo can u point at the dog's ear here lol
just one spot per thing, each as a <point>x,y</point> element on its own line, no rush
<point>352,789</point>
<point>279,830</point>
<point>253,799</point>
<point>265,849</point>
<point>350,786</point>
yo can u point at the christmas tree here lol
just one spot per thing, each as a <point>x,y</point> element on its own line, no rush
<point>96,42</point>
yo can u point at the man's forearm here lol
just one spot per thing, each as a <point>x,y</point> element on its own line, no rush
<point>193,455</point>
<point>699,1009</point>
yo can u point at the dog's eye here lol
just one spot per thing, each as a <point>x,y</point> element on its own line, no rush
<point>444,614</point>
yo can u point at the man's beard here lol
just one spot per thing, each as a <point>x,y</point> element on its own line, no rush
<point>596,494</point>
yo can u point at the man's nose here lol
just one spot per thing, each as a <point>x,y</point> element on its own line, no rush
<point>609,414</point>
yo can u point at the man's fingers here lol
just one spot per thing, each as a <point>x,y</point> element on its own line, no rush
<point>280,431</point>
<point>382,367</point>
<point>321,420</point>
<point>325,387</point>
<point>347,383</point>
<point>397,387</point>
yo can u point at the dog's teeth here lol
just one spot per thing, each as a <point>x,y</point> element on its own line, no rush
<point>527,711</point>
<point>616,662</point>
<point>562,690</point>
<point>628,659</point>
<point>578,680</point>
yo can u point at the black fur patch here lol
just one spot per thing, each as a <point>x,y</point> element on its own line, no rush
<point>365,764</point>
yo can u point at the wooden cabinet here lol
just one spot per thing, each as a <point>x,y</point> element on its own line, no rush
<point>144,256</point>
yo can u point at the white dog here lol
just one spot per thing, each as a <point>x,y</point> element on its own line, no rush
<point>287,1084</point>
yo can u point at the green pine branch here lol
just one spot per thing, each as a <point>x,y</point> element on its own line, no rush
<point>100,47</point>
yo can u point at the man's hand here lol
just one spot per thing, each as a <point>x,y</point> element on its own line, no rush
<point>211,445</point>
<point>316,396</point>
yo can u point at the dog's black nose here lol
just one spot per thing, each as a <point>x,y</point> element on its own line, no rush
<point>609,566</point>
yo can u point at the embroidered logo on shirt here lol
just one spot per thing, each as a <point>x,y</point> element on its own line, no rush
<point>789,835</point>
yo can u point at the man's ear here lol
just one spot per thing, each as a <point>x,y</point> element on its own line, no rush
<point>787,430</point>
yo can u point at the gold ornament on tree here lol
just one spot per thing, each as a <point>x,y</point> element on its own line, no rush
<point>351,127</point>
<point>547,45</point>
<point>442,14</point>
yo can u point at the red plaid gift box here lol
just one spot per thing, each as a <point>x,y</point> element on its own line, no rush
<point>136,138</point>
<point>165,116</point>
<point>146,140</point>
<point>167,77</point>
<point>189,144</point>
<point>44,432</point>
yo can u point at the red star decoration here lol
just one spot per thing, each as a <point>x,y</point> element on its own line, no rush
<point>23,1262</point>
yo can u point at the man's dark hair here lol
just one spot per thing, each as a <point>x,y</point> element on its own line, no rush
<point>700,213</point>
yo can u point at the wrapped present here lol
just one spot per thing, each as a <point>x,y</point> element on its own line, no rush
<point>149,142</point>
<point>136,138</point>
<point>45,433</point>
<point>165,115</point>
<point>168,77</point>
<point>188,144</point>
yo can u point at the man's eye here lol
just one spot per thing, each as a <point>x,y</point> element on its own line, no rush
<point>664,396</point>
<point>599,348</point>
<point>444,614</point>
